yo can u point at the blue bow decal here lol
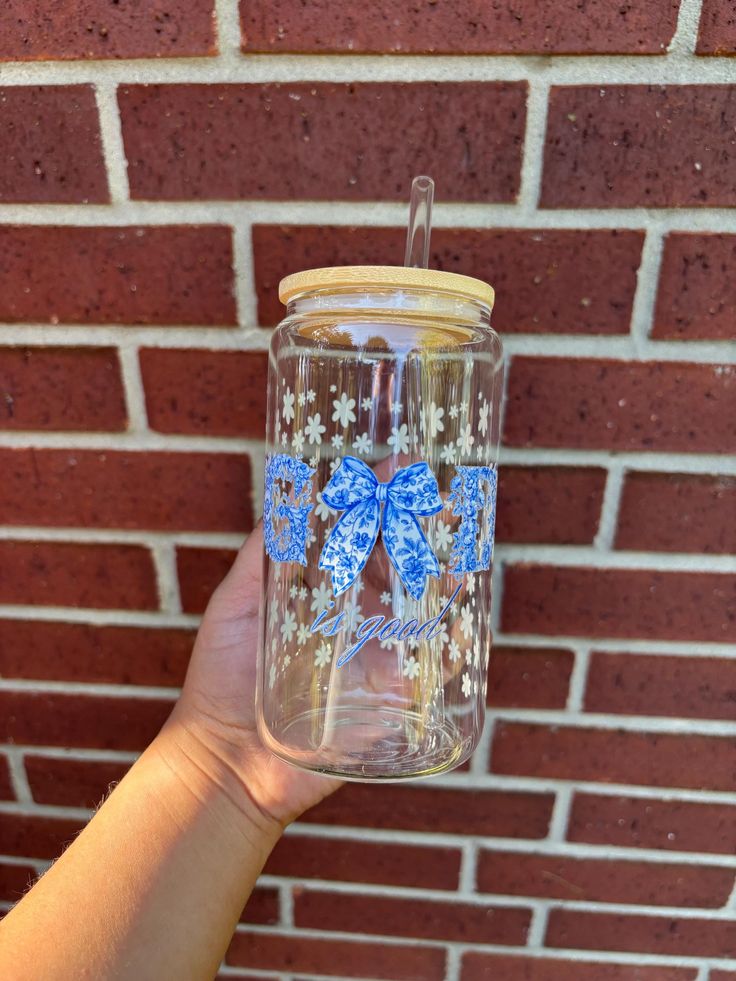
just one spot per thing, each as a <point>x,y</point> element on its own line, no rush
<point>354,489</point>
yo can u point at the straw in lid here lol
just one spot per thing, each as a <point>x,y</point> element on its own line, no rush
<point>400,277</point>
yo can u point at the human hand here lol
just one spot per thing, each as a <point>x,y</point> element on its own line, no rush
<point>215,715</point>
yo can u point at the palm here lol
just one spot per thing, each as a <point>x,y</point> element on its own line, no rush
<point>219,692</point>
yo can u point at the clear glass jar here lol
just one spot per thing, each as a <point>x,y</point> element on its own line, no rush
<point>384,394</point>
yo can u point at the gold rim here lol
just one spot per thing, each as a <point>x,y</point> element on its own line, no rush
<point>343,277</point>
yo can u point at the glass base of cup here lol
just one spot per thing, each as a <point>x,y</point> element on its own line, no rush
<point>368,744</point>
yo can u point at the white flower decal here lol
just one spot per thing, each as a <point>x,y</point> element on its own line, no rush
<point>297,441</point>
<point>337,441</point>
<point>386,598</point>
<point>363,443</point>
<point>399,439</point>
<point>466,621</point>
<point>301,398</point>
<point>454,650</point>
<point>467,685</point>
<point>453,412</point>
<point>366,404</point>
<point>323,655</point>
<point>447,454</point>
<point>321,597</point>
<point>411,668</point>
<point>483,423</point>
<point>272,676</point>
<point>314,428</point>
<point>343,410</point>
<point>466,439</point>
<point>433,419</point>
<point>302,634</point>
<point>322,510</point>
<point>443,537</point>
<point>288,627</point>
<point>288,401</point>
<point>311,396</point>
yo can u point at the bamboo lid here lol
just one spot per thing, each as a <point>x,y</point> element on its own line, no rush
<point>343,277</point>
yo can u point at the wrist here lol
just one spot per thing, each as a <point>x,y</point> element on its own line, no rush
<point>209,776</point>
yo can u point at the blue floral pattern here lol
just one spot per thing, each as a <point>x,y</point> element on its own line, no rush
<point>469,500</point>
<point>284,520</point>
<point>354,489</point>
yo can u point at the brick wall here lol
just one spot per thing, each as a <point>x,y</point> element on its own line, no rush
<point>159,172</point>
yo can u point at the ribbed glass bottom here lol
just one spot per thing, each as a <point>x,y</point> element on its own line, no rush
<point>364,744</point>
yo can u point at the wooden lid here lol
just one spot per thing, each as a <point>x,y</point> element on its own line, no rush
<point>400,277</point>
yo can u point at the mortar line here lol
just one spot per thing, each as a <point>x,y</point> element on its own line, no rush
<point>610,506</point>
<point>538,925</point>
<point>167,578</point>
<point>578,681</point>
<point>244,284</point>
<point>560,815</point>
<point>685,38</point>
<point>495,900</point>
<point>135,396</point>
<point>286,905</point>
<point>453,957</point>
<point>577,954</point>
<point>231,66</point>
<point>18,776</point>
<point>474,215</point>
<point>111,135</point>
<point>468,866</point>
<point>533,145</point>
<point>647,285</point>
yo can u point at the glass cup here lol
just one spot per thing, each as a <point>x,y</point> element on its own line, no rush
<point>384,394</point>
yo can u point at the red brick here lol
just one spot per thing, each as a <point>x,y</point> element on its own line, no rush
<point>320,141</point>
<point>208,393</point>
<point>648,934</point>
<point>110,489</point>
<point>620,405</point>
<point>613,756</point>
<point>529,677</point>
<point>722,976</point>
<point>591,880</point>
<point>555,505</point>
<point>262,907</point>
<point>201,570</point>
<point>697,295</point>
<point>631,684</point>
<point>78,574</point>
<point>6,784</point>
<point>70,782</point>
<point>145,274</point>
<point>547,281</point>
<point>15,880</point>
<point>336,958</point>
<point>51,146</point>
<point>97,29</point>
<point>50,650</point>
<point>53,388</point>
<point>32,836</point>
<point>626,146</point>
<point>585,602</point>
<point>546,27</point>
<point>644,822</point>
<point>362,861</point>
<point>94,721</point>
<point>677,513</point>
<point>717,36</point>
<point>424,918</point>
<point>489,813</point>
<point>477,966</point>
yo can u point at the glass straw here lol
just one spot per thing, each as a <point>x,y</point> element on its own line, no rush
<point>420,223</point>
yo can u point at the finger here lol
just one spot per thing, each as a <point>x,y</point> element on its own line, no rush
<point>239,594</point>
